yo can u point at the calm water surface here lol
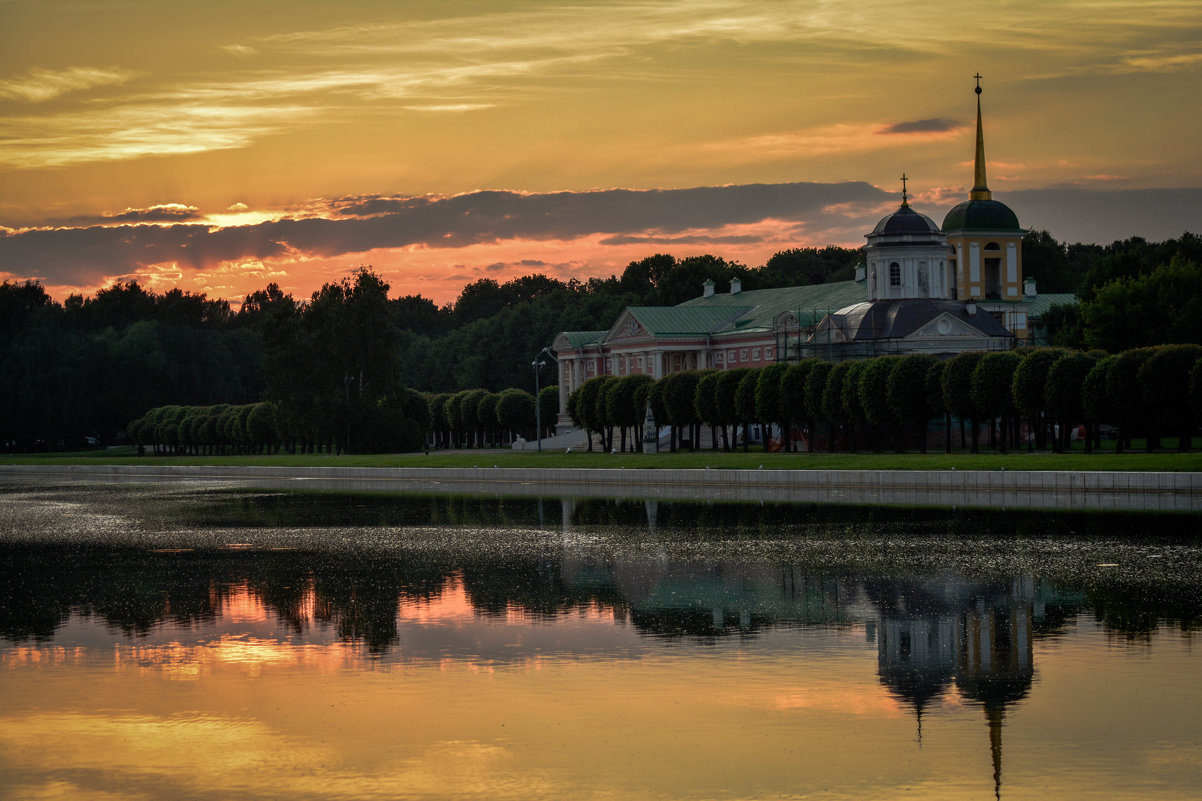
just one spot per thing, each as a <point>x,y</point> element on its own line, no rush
<point>196,642</point>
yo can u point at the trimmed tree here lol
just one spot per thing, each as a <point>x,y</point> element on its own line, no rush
<point>745,403</point>
<point>1030,378</point>
<point>833,408</point>
<point>706,404</point>
<point>548,406</point>
<point>934,388</point>
<point>874,395</point>
<point>793,391</point>
<point>1164,379</point>
<point>853,409</point>
<point>906,393</point>
<point>680,392</point>
<point>1063,395</point>
<point>515,411</point>
<point>815,386</point>
<point>957,392</point>
<point>992,383</point>
<point>1122,385</point>
<point>728,414</point>
<point>768,407</point>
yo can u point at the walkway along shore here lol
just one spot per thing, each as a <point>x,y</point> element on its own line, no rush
<point>1001,489</point>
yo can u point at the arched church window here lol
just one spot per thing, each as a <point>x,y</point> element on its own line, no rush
<point>922,275</point>
<point>894,274</point>
<point>993,246</point>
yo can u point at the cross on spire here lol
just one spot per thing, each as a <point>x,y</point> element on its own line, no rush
<point>905,197</point>
<point>980,189</point>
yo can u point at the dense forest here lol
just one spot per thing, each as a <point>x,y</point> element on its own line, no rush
<point>81,370</point>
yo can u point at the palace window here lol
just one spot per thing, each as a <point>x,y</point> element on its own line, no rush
<point>755,354</point>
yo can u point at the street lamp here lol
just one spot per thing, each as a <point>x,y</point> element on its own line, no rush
<point>538,364</point>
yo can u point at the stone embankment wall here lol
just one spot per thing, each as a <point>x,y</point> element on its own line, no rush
<point>1164,492</point>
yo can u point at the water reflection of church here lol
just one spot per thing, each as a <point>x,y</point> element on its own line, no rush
<point>935,637</point>
<point>976,636</point>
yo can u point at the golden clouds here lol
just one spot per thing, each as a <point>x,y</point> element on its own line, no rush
<point>318,101</point>
<point>39,85</point>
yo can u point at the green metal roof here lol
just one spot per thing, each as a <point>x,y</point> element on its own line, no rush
<point>1042,303</point>
<point>723,313</point>
<point>579,338</point>
<point>682,320</point>
<point>809,303</point>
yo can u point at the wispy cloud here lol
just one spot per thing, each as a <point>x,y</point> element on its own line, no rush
<point>451,108</point>
<point>936,125</point>
<point>1159,62</point>
<point>39,85</point>
<point>240,50</point>
<point>137,131</point>
<point>838,138</point>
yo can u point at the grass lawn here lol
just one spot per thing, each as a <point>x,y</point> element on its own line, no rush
<point>1073,461</point>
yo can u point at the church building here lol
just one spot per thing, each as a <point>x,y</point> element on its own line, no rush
<point>923,289</point>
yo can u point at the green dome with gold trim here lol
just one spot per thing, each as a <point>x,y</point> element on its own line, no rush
<point>981,215</point>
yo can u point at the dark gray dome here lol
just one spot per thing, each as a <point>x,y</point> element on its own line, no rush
<point>906,221</point>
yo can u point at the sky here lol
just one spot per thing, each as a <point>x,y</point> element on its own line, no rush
<point>218,147</point>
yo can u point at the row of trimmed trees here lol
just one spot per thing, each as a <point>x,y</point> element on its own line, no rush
<point>409,421</point>
<point>477,418</point>
<point>396,424</point>
<point>1033,397</point>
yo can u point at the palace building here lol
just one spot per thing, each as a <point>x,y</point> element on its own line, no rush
<point>924,288</point>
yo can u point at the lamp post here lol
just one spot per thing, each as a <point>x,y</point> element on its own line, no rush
<point>538,364</point>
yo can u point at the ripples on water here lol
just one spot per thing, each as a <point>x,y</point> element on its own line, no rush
<point>357,646</point>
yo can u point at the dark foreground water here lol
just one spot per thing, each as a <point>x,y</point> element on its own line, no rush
<point>193,642</point>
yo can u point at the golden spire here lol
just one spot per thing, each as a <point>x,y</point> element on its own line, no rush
<point>980,190</point>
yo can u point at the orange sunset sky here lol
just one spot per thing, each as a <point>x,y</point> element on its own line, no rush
<point>221,146</point>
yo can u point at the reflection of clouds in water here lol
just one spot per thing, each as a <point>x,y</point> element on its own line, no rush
<point>243,757</point>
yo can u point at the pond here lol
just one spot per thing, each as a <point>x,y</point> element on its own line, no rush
<point>194,641</point>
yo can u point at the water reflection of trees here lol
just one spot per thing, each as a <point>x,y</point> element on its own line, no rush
<point>670,569</point>
<point>361,594</point>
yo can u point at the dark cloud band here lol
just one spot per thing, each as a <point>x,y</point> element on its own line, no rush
<point>83,254</point>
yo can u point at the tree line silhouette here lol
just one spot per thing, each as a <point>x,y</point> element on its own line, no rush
<point>1032,398</point>
<point>343,363</point>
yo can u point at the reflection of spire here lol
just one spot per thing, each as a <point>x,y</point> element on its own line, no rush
<point>980,189</point>
<point>995,715</point>
<point>997,663</point>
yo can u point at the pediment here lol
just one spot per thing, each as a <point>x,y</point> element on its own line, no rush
<point>784,320</point>
<point>944,326</point>
<point>626,326</point>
